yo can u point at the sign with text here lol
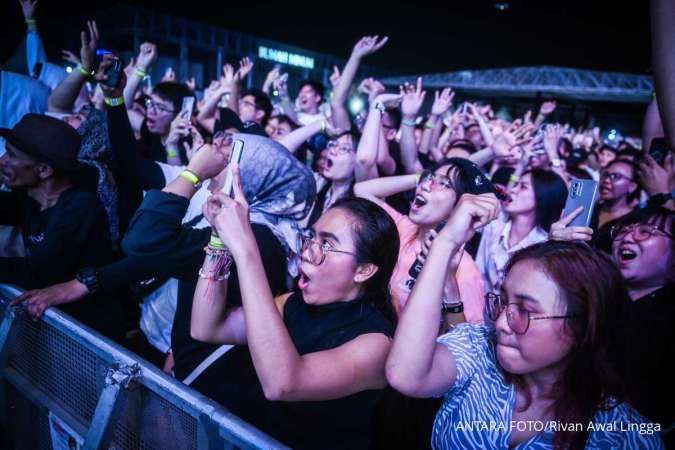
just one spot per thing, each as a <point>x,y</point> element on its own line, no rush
<point>284,57</point>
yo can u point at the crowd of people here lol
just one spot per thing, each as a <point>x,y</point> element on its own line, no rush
<point>403,278</point>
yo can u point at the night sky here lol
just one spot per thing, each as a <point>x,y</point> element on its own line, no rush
<point>424,37</point>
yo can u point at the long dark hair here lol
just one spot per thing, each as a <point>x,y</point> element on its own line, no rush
<point>592,289</point>
<point>550,194</point>
<point>376,241</point>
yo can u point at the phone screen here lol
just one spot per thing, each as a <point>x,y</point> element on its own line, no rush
<point>187,108</point>
<point>235,156</point>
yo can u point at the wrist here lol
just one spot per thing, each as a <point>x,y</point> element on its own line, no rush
<point>192,177</point>
<point>113,100</point>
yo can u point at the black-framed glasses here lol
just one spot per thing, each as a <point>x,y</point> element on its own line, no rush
<point>314,252</point>
<point>639,231</point>
<point>435,180</point>
<point>614,176</point>
<point>517,318</point>
<point>340,149</point>
<point>149,104</point>
<point>222,139</point>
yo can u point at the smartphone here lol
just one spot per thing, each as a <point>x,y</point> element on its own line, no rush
<point>187,108</point>
<point>659,150</point>
<point>581,193</point>
<point>114,73</point>
<point>235,157</point>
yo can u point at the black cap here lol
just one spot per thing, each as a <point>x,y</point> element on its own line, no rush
<point>46,139</point>
<point>474,180</point>
<point>230,119</point>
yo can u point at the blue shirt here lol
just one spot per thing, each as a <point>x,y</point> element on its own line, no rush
<point>477,410</point>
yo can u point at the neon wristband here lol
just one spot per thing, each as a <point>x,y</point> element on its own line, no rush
<point>408,123</point>
<point>113,101</point>
<point>191,177</point>
<point>429,125</point>
<point>216,242</point>
<point>514,178</point>
<point>85,72</point>
<point>171,153</point>
<point>141,73</point>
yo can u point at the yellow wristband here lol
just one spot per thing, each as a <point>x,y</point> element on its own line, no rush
<point>141,73</point>
<point>171,153</point>
<point>514,178</point>
<point>85,72</point>
<point>191,177</point>
<point>113,101</point>
<point>216,242</point>
<point>417,178</point>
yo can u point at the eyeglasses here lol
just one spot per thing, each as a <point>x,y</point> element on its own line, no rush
<point>517,318</point>
<point>614,176</point>
<point>639,231</point>
<point>315,253</point>
<point>149,104</point>
<point>440,180</point>
<point>340,149</point>
<point>247,103</point>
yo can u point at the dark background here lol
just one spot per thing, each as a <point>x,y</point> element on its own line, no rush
<point>424,37</point>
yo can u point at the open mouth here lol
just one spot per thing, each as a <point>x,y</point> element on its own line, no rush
<point>329,163</point>
<point>419,201</point>
<point>626,254</point>
<point>303,280</point>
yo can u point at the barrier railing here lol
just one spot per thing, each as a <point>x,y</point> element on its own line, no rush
<point>63,385</point>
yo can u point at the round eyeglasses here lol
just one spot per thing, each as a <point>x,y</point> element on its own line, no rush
<point>340,149</point>
<point>427,176</point>
<point>517,318</point>
<point>149,104</point>
<point>314,252</point>
<point>639,231</point>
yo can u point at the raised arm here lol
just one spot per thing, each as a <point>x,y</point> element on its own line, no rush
<point>651,125</point>
<point>293,140</point>
<point>413,97</point>
<point>284,374</point>
<point>545,110</point>
<point>366,46</point>
<point>378,189</point>
<point>35,51</point>
<point>366,152</point>
<point>418,366</point>
<point>663,59</point>
<point>147,55</point>
<point>63,96</point>
<point>433,127</point>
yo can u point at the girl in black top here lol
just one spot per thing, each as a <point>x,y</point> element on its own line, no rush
<point>307,367</point>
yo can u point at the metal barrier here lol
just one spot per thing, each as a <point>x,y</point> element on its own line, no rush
<point>62,385</point>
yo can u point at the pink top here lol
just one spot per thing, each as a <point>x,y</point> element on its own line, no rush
<point>469,278</point>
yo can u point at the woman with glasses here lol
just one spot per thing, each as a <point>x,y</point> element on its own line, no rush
<point>436,193</point>
<point>551,360</point>
<point>643,248</point>
<point>533,205</point>
<point>619,192</point>
<point>307,367</point>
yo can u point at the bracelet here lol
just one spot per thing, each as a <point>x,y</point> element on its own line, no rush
<point>409,123</point>
<point>171,153</point>
<point>216,244</point>
<point>380,107</point>
<point>113,101</point>
<point>191,177</point>
<point>514,178</point>
<point>85,72</point>
<point>452,307</point>
<point>221,277</point>
<point>429,125</point>
<point>141,73</point>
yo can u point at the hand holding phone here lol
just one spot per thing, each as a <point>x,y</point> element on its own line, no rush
<point>235,157</point>
<point>581,193</point>
<point>187,108</point>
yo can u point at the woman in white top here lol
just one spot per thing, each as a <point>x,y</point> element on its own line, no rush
<point>534,204</point>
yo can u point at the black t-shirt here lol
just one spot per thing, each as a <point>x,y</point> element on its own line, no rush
<point>343,423</point>
<point>60,241</point>
<point>650,342</point>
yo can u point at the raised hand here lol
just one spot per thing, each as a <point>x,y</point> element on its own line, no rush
<point>228,77</point>
<point>28,8</point>
<point>335,76</point>
<point>368,45</point>
<point>372,88</point>
<point>147,55</point>
<point>272,76</point>
<point>442,102</point>
<point>89,44</point>
<point>516,134</point>
<point>245,66</point>
<point>560,231</point>
<point>179,129</point>
<point>547,107</point>
<point>413,97</point>
<point>388,100</point>
<point>552,134</point>
<point>70,57</point>
<point>654,178</point>
<point>471,213</point>
<point>169,75</point>
<point>100,75</point>
<point>231,220</point>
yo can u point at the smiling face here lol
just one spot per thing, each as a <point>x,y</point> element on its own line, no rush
<point>546,342</point>
<point>643,254</point>
<point>337,278</point>
<point>309,100</point>
<point>521,199</point>
<point>434,198</point>
<point>340,159</point>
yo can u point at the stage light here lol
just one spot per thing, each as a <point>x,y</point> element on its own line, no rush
<point>502,6</point>
<point>69,69</point>
<point>356,105</point>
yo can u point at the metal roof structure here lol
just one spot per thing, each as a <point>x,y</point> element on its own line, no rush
<point>542,81</point>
